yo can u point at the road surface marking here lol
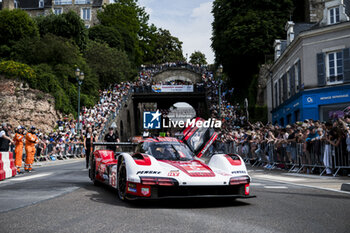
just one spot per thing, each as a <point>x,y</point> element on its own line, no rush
<point>255,184</point>
<point>275,187</point>
<point>32,177</point>
<point>308,186</point>
<point>271,177</point>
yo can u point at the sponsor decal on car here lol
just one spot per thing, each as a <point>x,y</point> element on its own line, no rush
<point>174,173</point>
<point>147,172</point>
<point>134,190</point>
<point>145,191</point>
<point>239,172</point>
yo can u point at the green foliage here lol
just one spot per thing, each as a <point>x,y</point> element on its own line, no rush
<point>68,25</point>
<point>15,25</point>
<point>53,46</point>
<point>167,47</point>
<point>243,33</point>
<point>49,49</point>
<point>110,35</point>
<point>12,69</point>
<point>124,25</point>
<point>198,57</point>
<point>54,60</point>
<point>57,83</point>
<point>123,17</point>
<point>110,64</point>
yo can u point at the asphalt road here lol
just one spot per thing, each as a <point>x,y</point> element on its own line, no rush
<point>62,199</point>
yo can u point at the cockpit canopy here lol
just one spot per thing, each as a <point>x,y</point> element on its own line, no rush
<point>168,150</point>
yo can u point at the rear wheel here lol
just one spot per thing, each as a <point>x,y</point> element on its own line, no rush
<point>122,181</point>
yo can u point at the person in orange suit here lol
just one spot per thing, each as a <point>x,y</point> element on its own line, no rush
<point>18,140</point>
<point>31,140</point>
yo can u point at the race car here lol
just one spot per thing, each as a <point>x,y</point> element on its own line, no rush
<point>166,167</point>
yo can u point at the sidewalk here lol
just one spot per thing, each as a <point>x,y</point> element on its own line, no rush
<point>316,181</point>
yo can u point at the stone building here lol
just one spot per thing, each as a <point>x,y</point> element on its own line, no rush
<point>310,75</point>
<point>87,9</point>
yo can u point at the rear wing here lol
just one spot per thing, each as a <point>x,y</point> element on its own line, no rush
<point>103,145</point>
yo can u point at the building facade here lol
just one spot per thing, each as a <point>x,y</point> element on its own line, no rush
<point>310,77</point>
<point>86,9</point>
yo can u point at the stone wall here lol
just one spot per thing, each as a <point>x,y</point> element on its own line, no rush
<point>21,105</point>
<point>178,74</point>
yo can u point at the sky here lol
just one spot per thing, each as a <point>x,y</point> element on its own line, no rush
<point>189,20</point>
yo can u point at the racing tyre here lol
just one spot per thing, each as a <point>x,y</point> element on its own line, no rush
<point>122,181</point>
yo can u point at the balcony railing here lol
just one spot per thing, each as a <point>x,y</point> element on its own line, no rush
<point>82,1</point>
<point>62,2</point>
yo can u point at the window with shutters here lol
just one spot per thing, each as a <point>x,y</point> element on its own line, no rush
<point>41,3</point>
<point>285,88</point>
<point>333,15</point>
<point>288,84</point>
<point>280,91</point>
<point>296,73</point>
<point>58,11</point>
<point>62,2</point>
<point>334,67</point>
<point>86,13</point>
<point>82,2</point>
<point>276,95</point>
<point>292,80</point>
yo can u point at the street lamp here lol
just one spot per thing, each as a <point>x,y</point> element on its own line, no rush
<point>80,78</point>
<point>219,75</point>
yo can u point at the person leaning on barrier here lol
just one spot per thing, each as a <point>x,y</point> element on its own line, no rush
<point>5,138</point>
<point>111,137</point>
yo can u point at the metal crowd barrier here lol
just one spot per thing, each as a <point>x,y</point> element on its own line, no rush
<point>313,157</point>
<point>54,151</point>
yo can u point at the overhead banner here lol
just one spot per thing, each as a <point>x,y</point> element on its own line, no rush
<point>172,88</point>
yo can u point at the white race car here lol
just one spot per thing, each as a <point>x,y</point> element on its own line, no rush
<point>166,167</point>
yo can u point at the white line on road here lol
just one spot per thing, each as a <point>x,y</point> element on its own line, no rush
<point>275,187</point>
<point>271,177</point>
<point>307,186</point>
<point>32,177</point>
<point>255,184</point>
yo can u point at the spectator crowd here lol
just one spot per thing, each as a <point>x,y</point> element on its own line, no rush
<point>309,146</point>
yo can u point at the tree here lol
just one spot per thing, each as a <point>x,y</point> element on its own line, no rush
<point>110,64</point>
<point>243,33</point>
<point>49,49</point>
<point>198,57</point>
<point>14,25</point>
<point>68,25</point>
<point>167,47</point>
<point>109,35</point>
<point>54,60</point>
<point>123,16</point>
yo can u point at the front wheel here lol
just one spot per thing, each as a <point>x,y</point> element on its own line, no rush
<point>122,181</point>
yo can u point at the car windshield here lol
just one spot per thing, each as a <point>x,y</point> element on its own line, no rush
<point>167,150</point>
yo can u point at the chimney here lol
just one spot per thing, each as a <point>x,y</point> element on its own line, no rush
<point>8,4</point>
<point>290,31</point>
<point>277,46</point>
